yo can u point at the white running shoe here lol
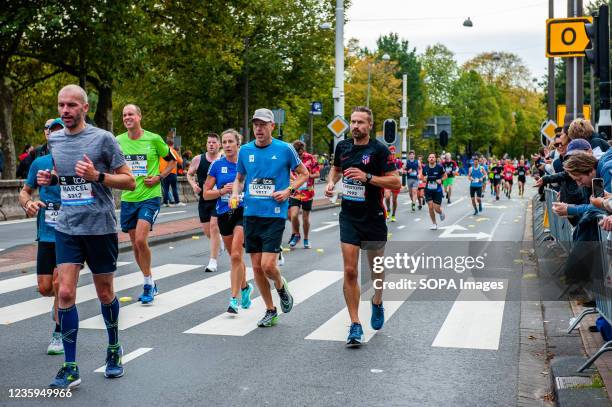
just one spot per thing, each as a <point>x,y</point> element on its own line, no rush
<point>281,259</point>
<point>181,204</point>
<point>56,346</point>
<point>434,227</point>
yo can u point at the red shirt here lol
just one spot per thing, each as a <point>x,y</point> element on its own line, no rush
<point>306,192</point>
<point>508,171</point>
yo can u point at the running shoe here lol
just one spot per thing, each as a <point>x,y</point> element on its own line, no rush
<point>420,206</point>
<point>245,296</point>
<point>114,367</point>
<point>355,336</point>
<point>378,316</point>
<point>442,216</point>
<point>269,319</point>
<point>281,258</point>
<point>475,211</point>
<point>233,306</point>
<point>448,200</point>
<point>67,377</point>
<point>497,197</point>
<point>393,218</point>
<point>294,240</point>
<point>285,297</point>
<point>56,347</point>
<point>306,244</point>
<point>480,206</point>
<point>148,294</point>
<point>413,205</point>
<point>291,238</point>
<point>434,227</point>
<point>211,267</point>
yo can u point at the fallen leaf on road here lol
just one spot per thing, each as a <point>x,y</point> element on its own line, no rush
<point>518,261</point>
<point>195,237</point>
<point>320,250</point>
<point>531,337</point>
<point>170,247</point>
<point>125,299</point>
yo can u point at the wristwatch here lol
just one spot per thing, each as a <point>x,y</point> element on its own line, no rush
<point>368,178</point>
<point>101,177</point>
<point>291,189</point>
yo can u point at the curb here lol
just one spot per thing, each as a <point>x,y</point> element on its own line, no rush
<point>186,234</point>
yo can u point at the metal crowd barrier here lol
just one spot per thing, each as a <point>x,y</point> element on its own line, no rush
<point>560,228</point>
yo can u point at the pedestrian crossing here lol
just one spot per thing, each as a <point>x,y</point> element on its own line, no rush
<point>468,324</point>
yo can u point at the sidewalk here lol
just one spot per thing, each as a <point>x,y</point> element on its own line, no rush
<point>22,258</point>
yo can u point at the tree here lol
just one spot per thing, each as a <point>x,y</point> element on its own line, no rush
<point>441,71</point>
<point>502,69</point>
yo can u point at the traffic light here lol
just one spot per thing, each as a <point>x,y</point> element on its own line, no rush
<point>598,55</point>
<point>389,131</point>
<point>443,138</point>
<point>591,54</point>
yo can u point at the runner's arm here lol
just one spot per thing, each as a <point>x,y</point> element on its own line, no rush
<point>334,176</point>
<point>391,180</point>
<point>302,176</point>
<point>238,185</point>
<point>30,206</point>
<point>121,178</point>
<point>210,193</point>
<point>192,171</point>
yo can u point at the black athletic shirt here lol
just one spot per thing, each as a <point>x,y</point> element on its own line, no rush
<point>373,158</point>
<point>450,167</point>
<point>202,173</point>
<point>497,172</point>
<point>521,170</point>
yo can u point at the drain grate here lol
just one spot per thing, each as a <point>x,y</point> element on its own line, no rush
<point>572,381</point>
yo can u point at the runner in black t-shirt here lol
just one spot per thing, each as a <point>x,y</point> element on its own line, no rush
<point>433,175</point>
<point>522,172</point>
<point>451,169</point>
<point>497,171</point>
<point>366,168</point>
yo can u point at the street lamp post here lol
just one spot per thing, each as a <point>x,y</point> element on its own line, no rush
<point>338,91</point>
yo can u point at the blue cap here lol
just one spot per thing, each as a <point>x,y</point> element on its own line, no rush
<point>57,122</point>
<point>577,145</point>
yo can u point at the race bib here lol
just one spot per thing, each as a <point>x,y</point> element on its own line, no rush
<point>521,173</point>
<point>432,185</point>
<point>51,213</point>
<point>353,190</point>
<point>262,187</point>
<point>448,170</point>
<point>497,176</point>
<point>137,164</point>
<point>225,198</point>
<point>508,174</point>
<point>413,173</point>
<point>75,191</point>
<point>304,187</point>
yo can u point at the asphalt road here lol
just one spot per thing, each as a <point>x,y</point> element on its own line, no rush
<point>429,353</point>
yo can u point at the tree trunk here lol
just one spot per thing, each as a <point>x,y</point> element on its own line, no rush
<point>7,144</point>
<point>104,109</point>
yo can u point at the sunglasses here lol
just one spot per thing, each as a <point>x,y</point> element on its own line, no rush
<point>557,145</point>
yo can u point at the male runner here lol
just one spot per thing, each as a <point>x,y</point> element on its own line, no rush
<point>451,169</point>
<point>433,174</point>
<point>508,177</point>
<point>302,197</point>
<point>421,190</point>
<point>87,163</point>
<point>206,208</point>
<point>264,166</point>
<point>140,207</point>
<point>477,176</point>
<point>391,204</point>
<point>413,170</point>
<point>366,167</point>
<point>46,208</point>
<point>522,171</point>
<point>497,171</point>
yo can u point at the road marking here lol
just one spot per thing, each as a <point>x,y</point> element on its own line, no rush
<point>301,288</point>
<point>135,314</point>
<point>14,267</point>
<point>30,280</point>
<point>328,225</point>
<point>170,213</point>
<point>400,227</point>
<point>336,328</point>
<point>495,227</point>
<point>456,202</point>
<point>472,324</point>
<point>417,219</point>
<point>13,222</point>
<point>448,233</point>
<point>38,306</point>
<point>126,358</point>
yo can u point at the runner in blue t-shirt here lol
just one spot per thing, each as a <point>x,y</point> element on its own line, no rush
<point>221,175</point>
<point>46,209</point>
<point>412,169</point>
<point>477,176</point>
<point>263,172</point>
<point>433,174</point>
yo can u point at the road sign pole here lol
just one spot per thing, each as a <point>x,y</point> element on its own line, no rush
<point>404,122</point>
<point>338,93</point>
<point>574,89</point>
<point>310,119</point>
<point>551,71</point>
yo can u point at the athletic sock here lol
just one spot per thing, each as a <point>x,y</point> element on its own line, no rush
<point>58,329</point>
<point>69,323</point>
<point>110,313</point>
<point>148,280</point>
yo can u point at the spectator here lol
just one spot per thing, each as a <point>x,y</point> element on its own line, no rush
<point>50,126</point>
<point>26,151</point>
<point>24,165</point>
<point>187,155</point>
<point>171,180</point>
<point>581,128</point>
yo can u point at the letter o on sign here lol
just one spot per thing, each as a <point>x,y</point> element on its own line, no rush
<point>567,34</point>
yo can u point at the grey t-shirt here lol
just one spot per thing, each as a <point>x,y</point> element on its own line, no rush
<point>87,207</point>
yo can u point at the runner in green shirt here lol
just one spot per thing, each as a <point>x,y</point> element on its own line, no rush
<point>139,208</point>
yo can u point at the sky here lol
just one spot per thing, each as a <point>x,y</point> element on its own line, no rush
<point>516,26</point>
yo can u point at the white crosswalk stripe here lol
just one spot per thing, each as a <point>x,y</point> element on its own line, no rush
<point>31,280</point>
<point>301,288</point>
<point>41,305</point>
<point>135,314</point>
<point>126,358</point>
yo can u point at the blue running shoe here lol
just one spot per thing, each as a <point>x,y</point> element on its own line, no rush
<point>245,294</point>
<point>67,377</point>
<point>294,241</point>
<point>285,297</point>
<point>378,316</point>
<point>355,337</point>
<point>233,306</point>
<point>306,244</point>
<point>148,294</point>
<point>114,367</point>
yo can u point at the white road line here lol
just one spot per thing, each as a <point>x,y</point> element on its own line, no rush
<point>336,328</point>
<point>18,266</point>
<point>126,358</point>
<point>170,213</point>
<point>328,226</point>
<point>400,227</point>
<point>13,222</point>
<point>18,283</point>
<point>38,306</point>
<point>455,202</point>
<point>417,219</point>
<point>135,314</point>
<point>472,324</point>
<point>301,288</point>
<point>495,227</point>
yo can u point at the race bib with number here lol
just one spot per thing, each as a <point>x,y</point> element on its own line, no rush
<point>432,185</point>
<point>353,190</point>
<point>448,170</point>
<point>137,164</point>
<point>75,191</point>
<point>497,176</point>
<point>261,187</point>
<point>413,173</point>
<point>225,197</point>
<point>51,213</point>
<point>521,173</point>
<point>508,174</point>
<point>303,187</point>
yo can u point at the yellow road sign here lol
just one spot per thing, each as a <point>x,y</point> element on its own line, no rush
<point>586,112</point>
<point>549,130</point>
<point>338,126</point>
<point>566,37</point>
